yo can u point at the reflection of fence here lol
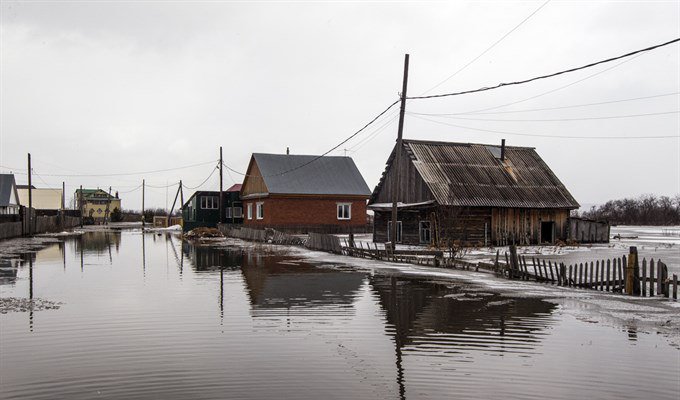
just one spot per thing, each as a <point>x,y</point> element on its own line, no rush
<point>613,275</point>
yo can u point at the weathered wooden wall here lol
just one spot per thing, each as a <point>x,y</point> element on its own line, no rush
<point>523,226</point>
<point>476,226</point>
<point>412,188</point>
<point>588,231</point>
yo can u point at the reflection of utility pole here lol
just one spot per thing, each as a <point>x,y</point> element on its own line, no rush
<point>30,291</point>
<point>143,254</point>
<point>82,263</point>
<point>221,293</point>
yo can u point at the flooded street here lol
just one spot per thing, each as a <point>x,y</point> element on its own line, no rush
<point>136,316</point>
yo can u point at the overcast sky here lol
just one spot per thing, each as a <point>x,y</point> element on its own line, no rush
<point>115,87</point>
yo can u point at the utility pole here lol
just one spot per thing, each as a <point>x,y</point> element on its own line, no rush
<point>108,208</point>
<point>143,191</point>
<point>63,204</point>
<point>220,200</point>
<point>397,155</point>
<point>30,197</point>
<point>80,205</point>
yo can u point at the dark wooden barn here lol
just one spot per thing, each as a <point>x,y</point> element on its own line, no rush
<point>473,193</point>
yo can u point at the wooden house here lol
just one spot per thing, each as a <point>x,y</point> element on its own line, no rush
<point>476,194</point>
<point>304,193</point>
<point>202,208</point>
<point>46,201</point>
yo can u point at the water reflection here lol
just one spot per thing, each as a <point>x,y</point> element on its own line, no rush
<point>444,317</point>
<point>280,282</point>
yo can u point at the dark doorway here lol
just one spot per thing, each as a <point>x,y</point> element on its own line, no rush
<point>547,232</point>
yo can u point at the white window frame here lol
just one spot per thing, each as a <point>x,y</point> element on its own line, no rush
<point>227,212</point>
<point>250,210</point>
<point>340,210</point>
<point>259,210</point>
<point>238,212</point>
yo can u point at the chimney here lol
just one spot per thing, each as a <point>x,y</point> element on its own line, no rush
<point>287,150</point>
<point>502,149</point>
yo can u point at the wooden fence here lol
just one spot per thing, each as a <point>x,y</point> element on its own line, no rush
<point>261,235</point>
<point>608,275</point>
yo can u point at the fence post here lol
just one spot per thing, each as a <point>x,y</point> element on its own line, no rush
<point>644,277</point>
<point>630,269</point>
<point>675,286</point>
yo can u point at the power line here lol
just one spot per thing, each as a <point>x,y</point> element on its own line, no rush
<point>327,152</point>
<point>500,85</point>
<point>488,48</point>
<point>560,107</point>
<point>552,119</point>
<point>132,173</point>
<point>546,136</point>
<point>202,183</point>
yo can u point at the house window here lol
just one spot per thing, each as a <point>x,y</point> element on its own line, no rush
<point>238,212</point>
<point>425,233</point>
<point>260,210</point>
<point>209,202</point>
<point>344,210</point>
<point>250,210</point>
<point>389,231</point>
<point>227,212</point>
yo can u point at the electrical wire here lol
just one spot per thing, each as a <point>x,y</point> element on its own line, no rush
<point>488,48</point>
<point>566,71</point>
<point>202,183</point>
<point>560,107</point>
<point>324,154</point>
<point>546,136</point>
<point>132,173</point>
<point>551,119</point>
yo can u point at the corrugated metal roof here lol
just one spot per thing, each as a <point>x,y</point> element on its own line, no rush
<point>7,186</point>
<point>329,175</point>
<point>468,174</point>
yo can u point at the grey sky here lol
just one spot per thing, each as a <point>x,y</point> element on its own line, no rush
<point>115,87</point>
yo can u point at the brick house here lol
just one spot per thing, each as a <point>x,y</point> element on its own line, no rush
<point>304,193</point>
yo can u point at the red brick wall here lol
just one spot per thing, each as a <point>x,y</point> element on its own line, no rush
<point>304,211</point>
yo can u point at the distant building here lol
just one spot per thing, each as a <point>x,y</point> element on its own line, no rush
<point>96,204</point>
<point>9,198</point>
<point>202,208</point>
<point>42,199</point>
<point>304,193</point>
<point>476,194</point>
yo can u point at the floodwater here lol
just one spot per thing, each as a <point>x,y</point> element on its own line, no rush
<point>145,316</point>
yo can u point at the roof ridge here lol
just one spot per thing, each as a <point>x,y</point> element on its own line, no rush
<point>443,143</point>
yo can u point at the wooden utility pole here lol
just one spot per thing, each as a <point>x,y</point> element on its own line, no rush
<point>397,155</point>
<point>179,189</point>
<point>108,208</point>
<point>80,204</point>
<point>30,197</point>
<point>220,200</point>
<point>143,192</point>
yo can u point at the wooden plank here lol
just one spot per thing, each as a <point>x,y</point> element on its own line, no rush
<point>608,269</point>
<point>598,285</point>
<point>571,276</point>
<point>533,264</point>
<point>651,277</point>
<point>623,266</point>
<point>665,282</point>
<point>659,277</point>
<point>675,286</point>
<point>644,277</point>
<point>552,275</point>
<point>580,275</point>
<point>545,270</point>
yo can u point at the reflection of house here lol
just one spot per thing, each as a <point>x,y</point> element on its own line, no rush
<point>41,199</point>
<point>276,282</point>
<point>96,204</point>
<point>9,198</point>
<point>202,208</point>
<point>205,258</point>
<point>478,194</point>
<point>424,311</point>
<point>304,193</point>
